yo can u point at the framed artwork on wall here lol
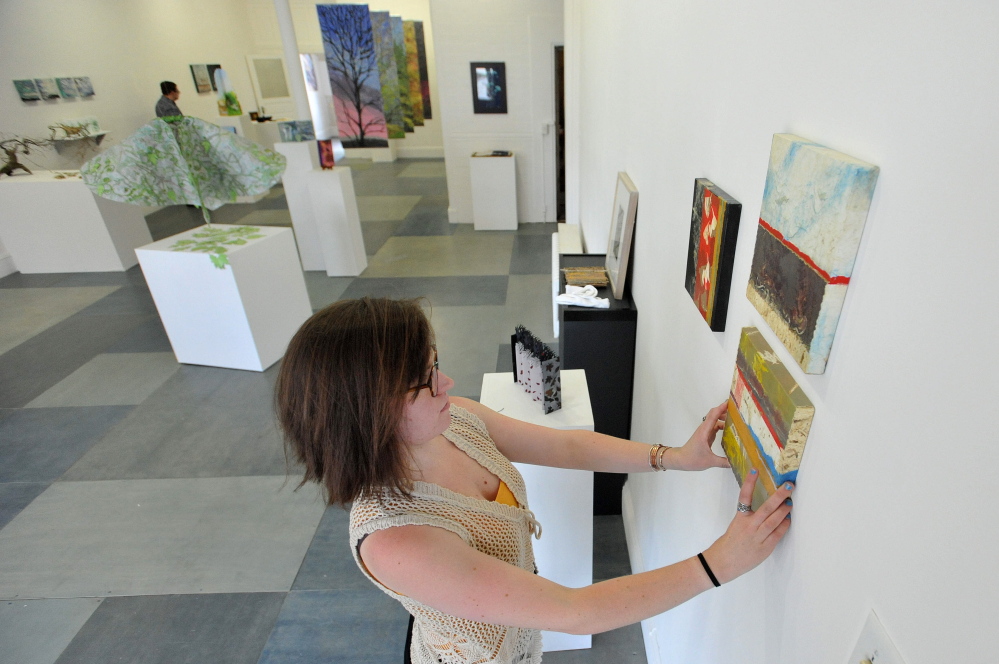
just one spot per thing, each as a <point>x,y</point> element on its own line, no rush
<point>200,75</point>
<point>26,89</point>
<point>211,75</point>
<point>67,88</point>
<point>621,230</point>
<point>768,418</point>
<point>714,229</point>
<point>352,64</point>
<point>815,205</point>
<point>489,87</point>
<point>83,86</point>
<point>47,88</point>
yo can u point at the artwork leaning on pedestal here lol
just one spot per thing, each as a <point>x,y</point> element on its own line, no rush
<point>815,205</point>
<point>768,418</point>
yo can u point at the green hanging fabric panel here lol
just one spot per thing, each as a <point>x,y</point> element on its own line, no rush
<point>183,160</point>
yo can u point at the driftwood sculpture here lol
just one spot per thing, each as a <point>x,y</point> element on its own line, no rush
<point>13,146</point>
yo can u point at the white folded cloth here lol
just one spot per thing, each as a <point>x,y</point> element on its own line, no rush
<point>582,296</point>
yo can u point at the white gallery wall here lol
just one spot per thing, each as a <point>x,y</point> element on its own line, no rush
<point>126,48</point>
<point>522,34</point>
<point>426,141</point>
<point>894,507</point>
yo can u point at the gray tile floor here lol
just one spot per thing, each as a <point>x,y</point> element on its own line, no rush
<point>146,510</point>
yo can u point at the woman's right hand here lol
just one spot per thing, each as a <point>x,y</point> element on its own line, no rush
<point>752,536</point>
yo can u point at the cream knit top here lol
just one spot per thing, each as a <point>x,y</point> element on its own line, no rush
<point>493,528</point>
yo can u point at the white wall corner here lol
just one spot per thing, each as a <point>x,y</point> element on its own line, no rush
<point>572,17</point>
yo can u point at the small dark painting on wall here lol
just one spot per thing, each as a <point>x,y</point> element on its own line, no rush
<point>201,81</point>
<point>211,75</point>
<point>489,87</point>
<point>714,228</point>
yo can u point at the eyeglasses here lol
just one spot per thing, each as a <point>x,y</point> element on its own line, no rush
<point>432,382</point>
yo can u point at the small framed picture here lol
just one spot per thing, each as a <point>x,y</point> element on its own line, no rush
<point>67,88</point>
<point>714,229</point>
<point>211,75</point>
<point>489,87</point>
<point>201,81</point>
<point>47,88</point>
<point>621,231</point>
<point>84,87</point>
<point>27,90</point>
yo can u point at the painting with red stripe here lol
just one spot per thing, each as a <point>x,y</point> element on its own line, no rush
<point>815,205</point>
<point>768,417</point>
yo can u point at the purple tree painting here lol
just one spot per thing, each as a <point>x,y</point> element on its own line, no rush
<point>352,60</point>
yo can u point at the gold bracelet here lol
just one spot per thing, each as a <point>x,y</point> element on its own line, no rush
<point>653,451</point>
<point>659,457</point>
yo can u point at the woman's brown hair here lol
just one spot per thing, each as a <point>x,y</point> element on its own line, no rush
<point>341,391</point>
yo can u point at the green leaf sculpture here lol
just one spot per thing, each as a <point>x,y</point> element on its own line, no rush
<point>215,240</point>
<point>183,160</point>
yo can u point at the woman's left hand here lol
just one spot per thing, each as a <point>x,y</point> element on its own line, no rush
<point>696,453</point>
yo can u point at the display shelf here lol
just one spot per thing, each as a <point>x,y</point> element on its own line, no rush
<point>601,341</point>
<point>53,224</point>
<point>494,192</point>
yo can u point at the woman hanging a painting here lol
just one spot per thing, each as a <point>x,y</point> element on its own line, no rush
<point>440,518</point>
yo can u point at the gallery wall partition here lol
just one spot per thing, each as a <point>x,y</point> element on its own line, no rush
<point>482,44</point>
<point>866,533</point>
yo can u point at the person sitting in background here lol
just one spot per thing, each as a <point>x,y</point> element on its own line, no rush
<point>167,105</point>
<point>439,516</point>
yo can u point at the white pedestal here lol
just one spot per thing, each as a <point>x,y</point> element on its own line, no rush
<point>51,225</point>
<point>338,223</point>
<point>561,499</point>
<point>302,158</point>
<point>239,317</point>
<point>494,193</point>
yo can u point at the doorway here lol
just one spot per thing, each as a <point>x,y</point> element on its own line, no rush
<point>560,133</point>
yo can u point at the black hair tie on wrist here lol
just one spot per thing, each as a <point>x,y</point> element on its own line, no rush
<point>707,568</point>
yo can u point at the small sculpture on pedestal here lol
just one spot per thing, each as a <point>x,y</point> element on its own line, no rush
<point>536,367</point>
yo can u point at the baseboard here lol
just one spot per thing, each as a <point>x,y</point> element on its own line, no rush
<point>421,153</point>
<point>6,265</point>
<point>386,154</point>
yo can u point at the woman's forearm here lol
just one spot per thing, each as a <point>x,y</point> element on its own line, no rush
<point>629,599</point>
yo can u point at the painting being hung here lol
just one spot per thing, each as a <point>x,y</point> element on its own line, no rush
<point>714,229</point>
<point>352,61</point>
<point>622,228</point>
<point>768,418</point>
<point>815,204</point>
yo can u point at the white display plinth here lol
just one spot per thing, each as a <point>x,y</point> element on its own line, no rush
<point>338,222</point>
<point>561,499</point>
<point>51,225</point>
<point>303,157</point>
<point>494,193</point>
<point>239,317</point>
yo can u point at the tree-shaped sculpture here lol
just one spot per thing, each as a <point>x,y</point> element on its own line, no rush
<point>15,145</point>
<point>352,60</point>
